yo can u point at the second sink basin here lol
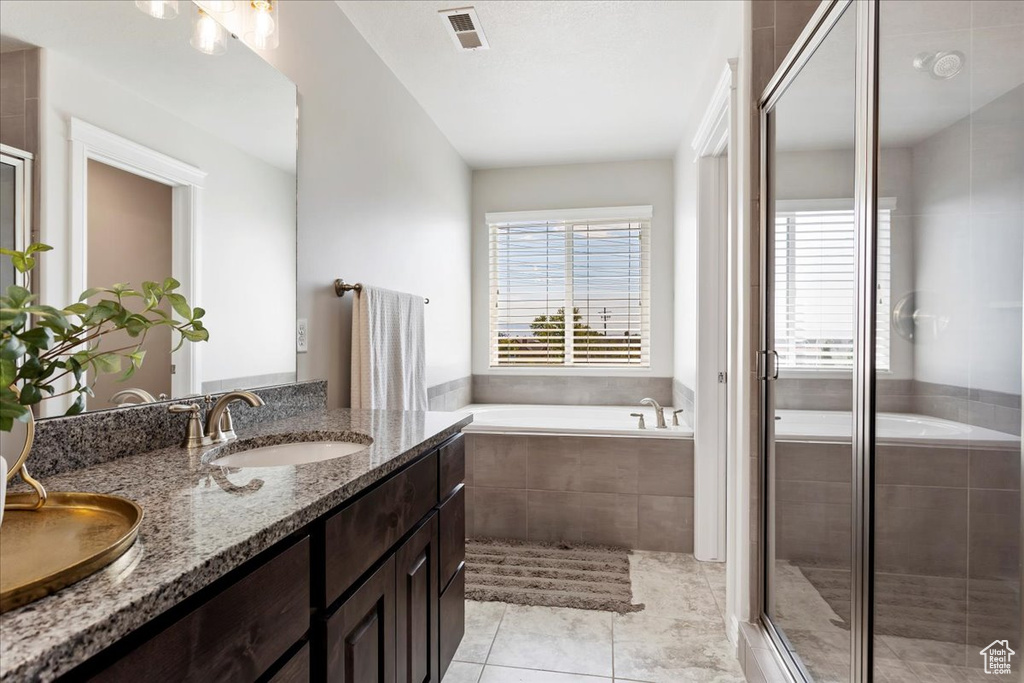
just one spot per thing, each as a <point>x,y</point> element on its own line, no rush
<point>290,449</point>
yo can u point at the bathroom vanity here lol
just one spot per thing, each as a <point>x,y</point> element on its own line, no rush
<point>343,570</point>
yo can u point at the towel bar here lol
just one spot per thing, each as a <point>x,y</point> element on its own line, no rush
<point>340,287</point>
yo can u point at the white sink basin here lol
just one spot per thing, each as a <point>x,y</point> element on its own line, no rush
<point>290,454</point>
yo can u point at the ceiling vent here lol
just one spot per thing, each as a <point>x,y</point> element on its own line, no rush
<point>463,26</point>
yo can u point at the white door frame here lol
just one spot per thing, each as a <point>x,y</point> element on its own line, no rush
<point>88,142</point>
<point>715,211</point>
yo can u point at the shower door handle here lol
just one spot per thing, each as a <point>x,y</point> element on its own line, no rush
<point>768,370</point>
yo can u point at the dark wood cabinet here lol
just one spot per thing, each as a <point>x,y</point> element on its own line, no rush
<point>452,618</point>
<point>364,531</point>
<point>235,635</point>
<point>416,600</point>
<point>361,634</point>
<point>451,465</point>
<point>452,534</point>
<point>295,670</point>
<point>371,592</point>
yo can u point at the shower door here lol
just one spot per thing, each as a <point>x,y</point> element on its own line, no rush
<point>893,280</point>
<point>808,335</point>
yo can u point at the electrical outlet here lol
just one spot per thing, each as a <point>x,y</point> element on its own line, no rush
<point>302,336</point>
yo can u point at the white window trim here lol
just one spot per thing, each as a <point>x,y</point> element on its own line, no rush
<point>638,212</point>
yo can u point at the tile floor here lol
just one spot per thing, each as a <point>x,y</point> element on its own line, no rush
<point>680,636</point>
<point>814,631</point>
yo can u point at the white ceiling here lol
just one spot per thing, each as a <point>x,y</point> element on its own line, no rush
<point>562,82</point>
<point>817,109</point>
<point>236,96</point>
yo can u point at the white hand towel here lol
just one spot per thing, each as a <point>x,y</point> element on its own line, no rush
<point>388,357</point>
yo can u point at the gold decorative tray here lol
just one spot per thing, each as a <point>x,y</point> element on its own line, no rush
<point>72,536</point>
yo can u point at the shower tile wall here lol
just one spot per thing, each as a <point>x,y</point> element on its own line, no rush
<point>635,493</point>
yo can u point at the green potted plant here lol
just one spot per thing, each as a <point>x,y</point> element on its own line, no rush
<point>41,345</point>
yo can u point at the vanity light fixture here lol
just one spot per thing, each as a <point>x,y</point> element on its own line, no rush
<point>208,36</point>
<point>262,30</point>
<point>160,9</point>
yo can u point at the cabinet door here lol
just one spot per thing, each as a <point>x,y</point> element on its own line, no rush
<point>416,597</point>
<point>361,634</point>
<point>234,637</point>
<point>452,533</point>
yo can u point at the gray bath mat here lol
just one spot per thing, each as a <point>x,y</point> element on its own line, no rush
<point>549,574</point>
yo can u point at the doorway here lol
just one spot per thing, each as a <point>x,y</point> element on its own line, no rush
<point>130,240</point>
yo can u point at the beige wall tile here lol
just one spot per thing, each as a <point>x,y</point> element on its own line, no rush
<point>499,461</point>
<point>554,462</point>
<point>790,18</point>
<point>921,466</point>
<point>665,523</point>
<point>609,519</point>
<point>665,467</point>
<point>554,515</point>
<point>608,465</point>
<point>501,513</point>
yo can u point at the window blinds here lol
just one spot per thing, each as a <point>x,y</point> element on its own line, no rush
<point>593,272</point>
<point>815,280</point>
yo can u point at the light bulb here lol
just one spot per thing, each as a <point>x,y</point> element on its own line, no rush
<point>207,35</point>
<point>160,9</point>
<point>262,33</point>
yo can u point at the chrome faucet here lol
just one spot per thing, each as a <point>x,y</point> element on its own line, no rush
<point>219,427</point>
<point>659,412</point>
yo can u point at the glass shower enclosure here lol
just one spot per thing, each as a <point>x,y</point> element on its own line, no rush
<point>892,271</point>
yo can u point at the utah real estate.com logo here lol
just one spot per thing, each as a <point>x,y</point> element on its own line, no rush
<point>997,657</point>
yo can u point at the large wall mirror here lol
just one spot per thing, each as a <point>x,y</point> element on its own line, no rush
<point>151,158</point>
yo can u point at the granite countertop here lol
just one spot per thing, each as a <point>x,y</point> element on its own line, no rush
<point>200,522</point>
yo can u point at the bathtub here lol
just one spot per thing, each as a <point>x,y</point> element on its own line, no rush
<point>894,428</point>
<point>570,420</point>
<point>579,473</point>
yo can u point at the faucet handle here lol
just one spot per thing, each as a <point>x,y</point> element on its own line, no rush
<point>675,417</point>
<point>194,435</point>
<point>640,424</point>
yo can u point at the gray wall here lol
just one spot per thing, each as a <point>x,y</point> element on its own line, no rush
<point>383,197</point>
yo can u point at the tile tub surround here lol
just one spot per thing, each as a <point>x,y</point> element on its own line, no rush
<point>946,514</point>
<point>570,390</point>
<point>988,409</point>
<point>683,397</point>
<point>630,492</point>
<point>63,444</point>
<point>451,395</point>
<point>200,523</point>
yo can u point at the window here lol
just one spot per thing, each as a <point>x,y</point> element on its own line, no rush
<point>815,280</point>
<point>593,263</point>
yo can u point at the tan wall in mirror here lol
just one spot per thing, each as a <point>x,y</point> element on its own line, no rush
<point>129,240</point>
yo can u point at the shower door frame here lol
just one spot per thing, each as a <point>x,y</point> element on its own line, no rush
<point>863,427</point>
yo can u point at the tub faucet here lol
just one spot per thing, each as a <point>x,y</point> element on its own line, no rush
<point>219,427</point>
<point>659,412</point>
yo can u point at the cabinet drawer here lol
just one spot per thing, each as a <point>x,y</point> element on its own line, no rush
<point>453,618</point>
<point>451,465</point>
<point>452,534</point>
<point>296,669</point>
<point>362,533</point>
<point>361,634</point>
<point>235,636</point>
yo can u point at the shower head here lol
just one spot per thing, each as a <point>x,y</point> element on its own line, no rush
<point>942,65</point>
